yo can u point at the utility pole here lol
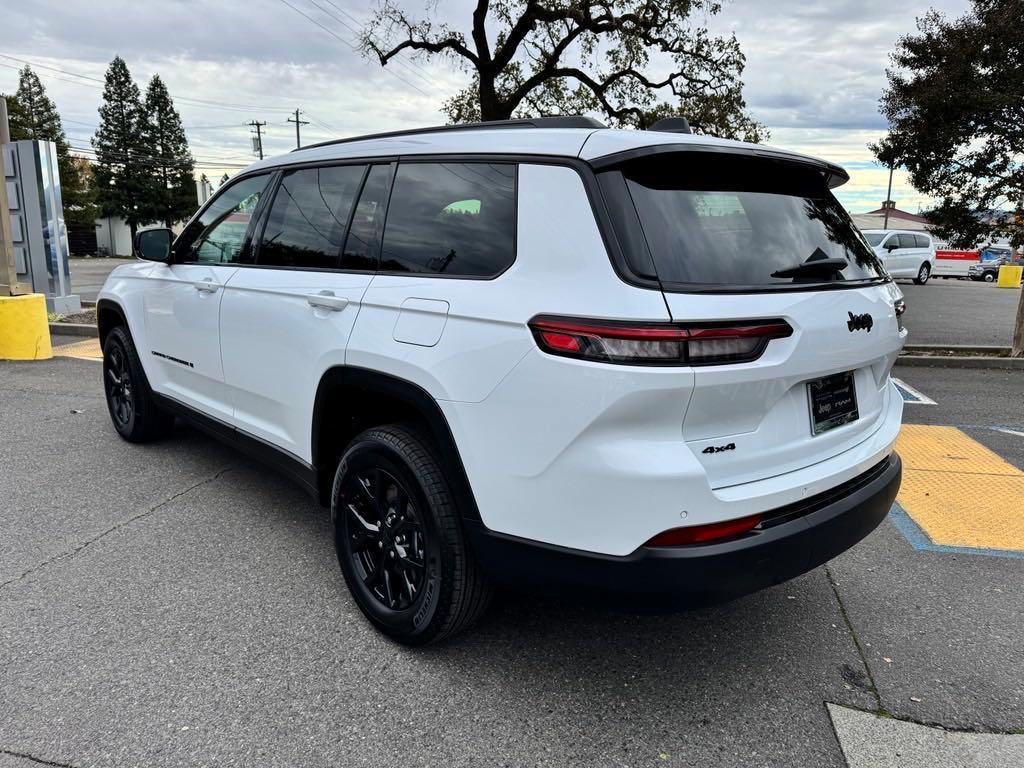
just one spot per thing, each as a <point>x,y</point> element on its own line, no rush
<point>298,121</point>
<point>9,285</point>
<point>257,140</point>
<point>888,197</point>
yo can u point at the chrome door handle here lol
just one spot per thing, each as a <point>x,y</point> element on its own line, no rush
<point>206,285</point>
<point>327,300</point>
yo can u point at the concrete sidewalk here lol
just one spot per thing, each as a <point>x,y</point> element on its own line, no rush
<point>174,604</point>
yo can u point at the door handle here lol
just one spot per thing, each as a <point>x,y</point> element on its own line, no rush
<point>206,285</point>
<point>327,300</point>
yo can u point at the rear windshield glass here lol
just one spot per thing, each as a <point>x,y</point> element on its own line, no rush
<point>714,219</point>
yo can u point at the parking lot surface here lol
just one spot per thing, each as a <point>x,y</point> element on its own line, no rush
<point>174,604</point>
<point>959,312</point>
<point>88,275</point>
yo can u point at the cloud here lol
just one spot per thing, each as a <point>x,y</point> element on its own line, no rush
<point>814,73</point>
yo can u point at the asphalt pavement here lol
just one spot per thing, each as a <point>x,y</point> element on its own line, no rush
<point>959,312</point>
<point>174,604</point>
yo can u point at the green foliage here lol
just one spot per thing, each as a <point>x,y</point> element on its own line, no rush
<point>582,56</point>
<point>123,169</point>
<point>33,116</point>
<point>171,193</point>
<point>955,105</point>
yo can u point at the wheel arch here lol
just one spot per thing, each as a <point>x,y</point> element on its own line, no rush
<point>109,314</point>
<point>349,400</point>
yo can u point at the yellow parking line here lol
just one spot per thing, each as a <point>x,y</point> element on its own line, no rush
<point>88,349</point>
<point>958,491</point>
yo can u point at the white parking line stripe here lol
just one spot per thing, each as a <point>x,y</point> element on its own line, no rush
<point>919,397</point>
<point>1009,431</point>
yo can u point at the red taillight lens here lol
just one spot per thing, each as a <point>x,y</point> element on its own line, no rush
<point>705,534</point>
<point>656,343</point>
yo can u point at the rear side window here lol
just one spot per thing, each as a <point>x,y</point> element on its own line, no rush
<point>309,216</point>
<point>454,219</point>
<point>907,241</point>
<point>716,220</point>
<point>922,241</point>
<point>363,241</point>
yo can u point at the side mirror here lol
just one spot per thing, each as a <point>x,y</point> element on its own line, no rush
<point>891,247</point>
<point>154,244</point>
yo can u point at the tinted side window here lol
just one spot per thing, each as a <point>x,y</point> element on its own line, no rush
<point>907,241</point>
<point>363,239</point>
<point>451,219</point>
<point>217,236</point>
<point>922,241</point>
<point>309,217</point>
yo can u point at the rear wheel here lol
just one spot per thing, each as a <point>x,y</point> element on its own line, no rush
<point>990,277</point>
<point>130,401</point>
<point>399,541</point>
<point>923,274</point>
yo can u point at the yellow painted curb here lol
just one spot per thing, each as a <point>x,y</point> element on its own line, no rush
<point>87,349</point>
<point>24,329</point>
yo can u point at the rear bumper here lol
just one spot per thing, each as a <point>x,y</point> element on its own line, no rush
<point>791,541</point>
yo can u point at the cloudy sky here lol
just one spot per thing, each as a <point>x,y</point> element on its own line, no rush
<point>814,74</point>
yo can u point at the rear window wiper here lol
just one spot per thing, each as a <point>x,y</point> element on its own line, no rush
<point>814,268</point>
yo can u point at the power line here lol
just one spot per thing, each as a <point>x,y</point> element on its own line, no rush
<point>354,47</point>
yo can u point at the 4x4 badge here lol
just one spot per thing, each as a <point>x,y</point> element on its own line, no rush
<point>719,448</point>
<point>860,322</point>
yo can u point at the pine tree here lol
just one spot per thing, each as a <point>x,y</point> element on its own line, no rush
<point>172,192</point>
<point>123,166</point>
<point>34,117</point>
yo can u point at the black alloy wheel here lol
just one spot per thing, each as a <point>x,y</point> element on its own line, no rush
<point>385,537</point>
<point>118,378</point>
<point>133,409</point>
<point>399,538</point>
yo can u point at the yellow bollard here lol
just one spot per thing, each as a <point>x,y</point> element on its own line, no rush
<point>24,328</point>
<point>1009,276</point>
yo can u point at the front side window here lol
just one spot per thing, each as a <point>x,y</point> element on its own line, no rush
<point>743,222</point>
<point>451,219</point>
<point>218,235</point>
<point>309,216</point>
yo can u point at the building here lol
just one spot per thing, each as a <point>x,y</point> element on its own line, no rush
<point>897,219</point>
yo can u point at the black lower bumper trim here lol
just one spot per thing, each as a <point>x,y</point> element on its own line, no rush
<point>657,578</point>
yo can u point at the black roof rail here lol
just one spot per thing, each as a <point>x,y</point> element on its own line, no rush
<point>555,121</point>
<point>672,125</point>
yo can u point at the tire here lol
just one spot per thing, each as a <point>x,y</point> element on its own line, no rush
<point>130,403</point>
<point>399,540</point>
<point>989,277</point>
<point>923,274</point>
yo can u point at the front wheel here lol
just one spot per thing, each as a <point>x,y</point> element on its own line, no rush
<point>399,541</point>
<point>923,274</point>
<point>990,277</point>
<point>135,415</point>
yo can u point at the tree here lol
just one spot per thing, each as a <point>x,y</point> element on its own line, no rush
<point>123,167</point>
<point>956,113</point>
<point>34,117</point>
<point>559,57</point>
<point>171,193</point>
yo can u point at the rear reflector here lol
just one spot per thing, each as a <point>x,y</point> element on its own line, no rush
<point>613,341</point>
<point>705,534</point>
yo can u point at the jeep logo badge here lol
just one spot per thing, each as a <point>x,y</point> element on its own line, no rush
<point>860,322</point>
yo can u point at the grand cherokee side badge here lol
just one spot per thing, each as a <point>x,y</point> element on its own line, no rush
<point>719,448</point>
<point>860,322</point>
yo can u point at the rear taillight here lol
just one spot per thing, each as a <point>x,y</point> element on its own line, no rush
<point>705,534</point>
<point>611,341</point>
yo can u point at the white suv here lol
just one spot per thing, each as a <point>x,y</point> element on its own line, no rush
<point>644,365</point>
<point>903,254</point>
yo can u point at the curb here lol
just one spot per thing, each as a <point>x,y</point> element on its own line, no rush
<point>75,329</point>
<point>951,361</point>
<point>957,349</point>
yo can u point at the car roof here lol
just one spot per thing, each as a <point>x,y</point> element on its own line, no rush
<point>898,231</point>
<point>596,145</point>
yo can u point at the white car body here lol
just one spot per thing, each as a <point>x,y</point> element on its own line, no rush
<point>582,457</point>
<point>905,254</point>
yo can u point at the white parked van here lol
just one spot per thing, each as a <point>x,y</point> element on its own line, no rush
<point>904,254</point>
<point>640,364</point>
